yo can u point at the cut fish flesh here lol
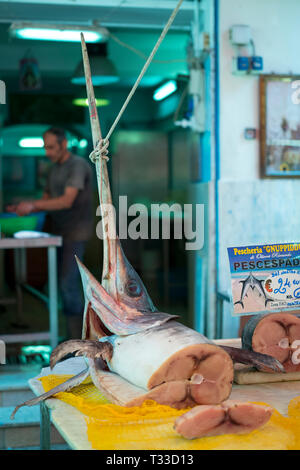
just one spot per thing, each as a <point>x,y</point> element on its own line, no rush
<point>277,335</point>
<point>179,365</point>
<point>231,417</point>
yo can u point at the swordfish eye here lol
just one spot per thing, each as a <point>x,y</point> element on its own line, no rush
<point>133,289</point>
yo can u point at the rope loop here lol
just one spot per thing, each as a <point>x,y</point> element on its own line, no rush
<point>100,151</point>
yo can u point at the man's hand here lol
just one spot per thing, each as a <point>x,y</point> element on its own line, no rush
<point>47,203</point>
<point>25,208</point>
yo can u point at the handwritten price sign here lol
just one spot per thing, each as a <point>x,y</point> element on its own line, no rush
<point>284,285</point>
<point>265,278</point>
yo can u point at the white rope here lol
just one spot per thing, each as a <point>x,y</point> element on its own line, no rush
<point>144,69</point>
<point>100,151</point>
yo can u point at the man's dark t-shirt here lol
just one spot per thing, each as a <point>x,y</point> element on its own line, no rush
<point>75,223</point>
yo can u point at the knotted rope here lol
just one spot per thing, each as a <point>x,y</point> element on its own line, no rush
<point>101,150</point>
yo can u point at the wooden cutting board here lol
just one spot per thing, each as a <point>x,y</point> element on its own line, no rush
<point>247,375</point>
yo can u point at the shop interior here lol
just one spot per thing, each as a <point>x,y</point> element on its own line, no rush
<point>200,140</point>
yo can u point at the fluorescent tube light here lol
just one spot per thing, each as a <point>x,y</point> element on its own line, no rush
<point>84,102</point>
<point>31,142</point>
<point>83,143</point>
<point>165,90</point>
<point>56,35</point>
<point>67,33</point>
<point>96,81</point>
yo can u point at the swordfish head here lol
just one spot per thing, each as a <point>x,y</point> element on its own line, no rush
<point>105,315</point>
<point>121,280</point>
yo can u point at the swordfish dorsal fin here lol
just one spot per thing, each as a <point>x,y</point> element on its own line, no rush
<point>118,318</point>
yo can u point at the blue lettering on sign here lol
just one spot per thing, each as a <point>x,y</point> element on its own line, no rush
<point>281,289</point>
<point>297,293</point>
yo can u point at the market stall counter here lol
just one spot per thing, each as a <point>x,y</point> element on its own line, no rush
<point>87,420</point>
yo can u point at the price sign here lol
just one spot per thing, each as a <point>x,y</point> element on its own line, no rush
<point>283,285</point>
<point>265,278</point>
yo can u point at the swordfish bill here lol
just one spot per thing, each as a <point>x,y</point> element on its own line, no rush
<point>119,279</point>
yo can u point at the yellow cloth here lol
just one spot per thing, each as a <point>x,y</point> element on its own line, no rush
<point>150,426</point>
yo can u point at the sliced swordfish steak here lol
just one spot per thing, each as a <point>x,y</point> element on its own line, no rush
<point>275,334</point>
<point>230,417</point>
<point>176,365</point>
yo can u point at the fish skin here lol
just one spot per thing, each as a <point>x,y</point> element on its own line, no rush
<point>85,348</point>
<point>105,346</point>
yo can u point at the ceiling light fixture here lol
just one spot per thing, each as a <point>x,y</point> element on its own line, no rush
<point>165,90</point>
<point>31,142</point>
<point>55,32</point>
<point>84,102</point>
<point>102,69</point>
<point>83,143</point>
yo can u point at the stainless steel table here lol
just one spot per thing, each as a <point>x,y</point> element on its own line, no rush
<point>19,246</point>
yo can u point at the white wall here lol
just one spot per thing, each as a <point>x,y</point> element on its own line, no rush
<point>253,210</point>
<point>275,30</point>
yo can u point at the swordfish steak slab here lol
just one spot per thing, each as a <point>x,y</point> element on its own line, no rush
<point>176,365</point>
<point>275,334</point>
<point>230,417</point>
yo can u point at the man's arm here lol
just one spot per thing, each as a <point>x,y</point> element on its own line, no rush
<point>48,204</point>
<point>45,196</point>
<point>24,208</point>
<point>59,203</point>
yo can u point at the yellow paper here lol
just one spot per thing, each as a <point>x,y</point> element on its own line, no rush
<point>150,426</point>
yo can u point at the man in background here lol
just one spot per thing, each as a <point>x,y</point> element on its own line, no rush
<point>68,200</point>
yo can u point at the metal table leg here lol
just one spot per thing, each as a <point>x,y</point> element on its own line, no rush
<point>52,284</point>
<point>45,427</point>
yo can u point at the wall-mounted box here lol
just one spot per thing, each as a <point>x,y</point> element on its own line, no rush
<point>240,35</point>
